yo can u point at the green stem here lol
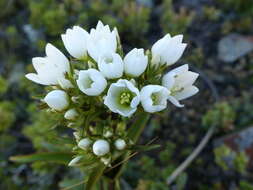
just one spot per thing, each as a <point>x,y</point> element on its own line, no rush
<point>134,133</point>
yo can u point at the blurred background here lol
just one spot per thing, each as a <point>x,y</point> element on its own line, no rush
<point>219,34</point>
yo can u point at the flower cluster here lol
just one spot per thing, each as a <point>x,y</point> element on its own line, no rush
<point>98,85</point>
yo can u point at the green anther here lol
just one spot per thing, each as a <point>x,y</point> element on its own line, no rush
<point>125,98</point>
<point>155,98</point>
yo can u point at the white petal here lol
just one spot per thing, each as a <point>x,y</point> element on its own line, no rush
<point>182,69</point>
<point>35,78</point>
<point>186,79</point>
<point>175,101</point>
<point>168,80</point>
<point>187,92</point>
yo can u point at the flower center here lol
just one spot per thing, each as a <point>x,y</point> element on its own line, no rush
<point>125,98</point>
<point>175,90</point>
<point>88,82</point>
<point>155,98</point>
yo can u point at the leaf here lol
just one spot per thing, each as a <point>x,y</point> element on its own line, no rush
<point>57,157</point>
<point>94,176</point>
<point>143,148</point>
<point>137,127</point>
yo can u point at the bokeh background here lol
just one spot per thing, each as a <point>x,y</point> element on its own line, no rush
<point>219,34</point>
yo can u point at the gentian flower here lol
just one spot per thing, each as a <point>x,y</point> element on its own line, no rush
<point>122,97</point>
<point>180,83</point>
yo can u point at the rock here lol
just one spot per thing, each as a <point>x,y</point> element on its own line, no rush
<point>32,34</point>
<point>234,46</point>
<point>238,142</point>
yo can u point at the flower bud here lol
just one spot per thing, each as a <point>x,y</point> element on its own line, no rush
<point>101,147</point>
<point>75,41</point>
<point>135,62</point>
<point>106,161</point>
<point>84,143</point>
<point>108,134</point>
<point>168,50</point>
<point>71,114</point>
<point>75,161</point>
<point>120,144</point>
<point>57,100</point>
<point>77,136</point>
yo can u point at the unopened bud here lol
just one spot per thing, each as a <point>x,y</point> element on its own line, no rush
<point>120,144</point>
<point>101,147</point>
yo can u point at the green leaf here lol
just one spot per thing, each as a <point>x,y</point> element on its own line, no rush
<point>137,127</point>
<point>57,157</point>
<point>94,176</point>
<point>139,148</point>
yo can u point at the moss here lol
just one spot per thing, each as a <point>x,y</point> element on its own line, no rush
<point>244,185</point>
<point>220,154</point>
<point>7,115</point>
<point>241,162</point>
<point>3,85</point>
<point>211,13</point>
<point>175,22</point>
<point>222,115</point>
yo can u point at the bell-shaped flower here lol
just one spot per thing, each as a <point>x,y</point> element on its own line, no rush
<point>179,82</point>
<point>101,41</point>
<point>135,62</point>
<point>111,65</point>
<point>101,147</point>
<point>57,100</point>
<point>91,82</point>
<point>71,114</point>
<point>122,97</point>
<point>51,69</point>
<point>168,50</point>
<point>154,98</point>
<point>75,41</point>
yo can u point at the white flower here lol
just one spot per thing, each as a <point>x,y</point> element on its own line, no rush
<point>122,97</point>
<point>180,83</point>
<point>111,65</point>
<point>101,147</point>
<point>168,49</point>
<point>51,69</point>
<point>154,98</point>
<point>84,143</point>
<point>91,82</point>
<point>75,161</point>
<point>101,41</point>
<point>75,41</point>
<point>71,114</point>
<point>57,100</point>
<point>135,62</point>
<point>120,144</point>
